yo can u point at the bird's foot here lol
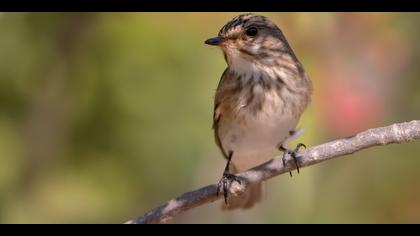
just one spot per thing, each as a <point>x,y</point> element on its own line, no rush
<point>224,184</point>
<point>293,154</point>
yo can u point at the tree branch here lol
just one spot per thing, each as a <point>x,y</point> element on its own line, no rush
<point>396,133</point>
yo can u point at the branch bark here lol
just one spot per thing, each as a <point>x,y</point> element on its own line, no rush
<point>396,133</point>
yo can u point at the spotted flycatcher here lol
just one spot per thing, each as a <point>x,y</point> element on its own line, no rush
<point>259,100</point>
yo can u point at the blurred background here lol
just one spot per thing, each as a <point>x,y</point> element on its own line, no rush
<point>104,116</point>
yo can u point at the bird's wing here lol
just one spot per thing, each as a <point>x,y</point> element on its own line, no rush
<point>217,114</point>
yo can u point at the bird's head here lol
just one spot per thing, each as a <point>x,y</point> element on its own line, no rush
<point>249,40</point>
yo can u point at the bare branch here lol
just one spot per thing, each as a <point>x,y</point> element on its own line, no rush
<point>396,133</point>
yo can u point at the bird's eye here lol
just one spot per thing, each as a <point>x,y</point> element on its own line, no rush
<point>251,31</point>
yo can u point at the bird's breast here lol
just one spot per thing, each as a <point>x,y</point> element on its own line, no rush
<point>253,129</point>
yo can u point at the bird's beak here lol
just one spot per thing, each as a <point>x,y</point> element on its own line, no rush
<point>214,41</point>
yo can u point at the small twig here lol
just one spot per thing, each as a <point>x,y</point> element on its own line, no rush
<point>396,133</point>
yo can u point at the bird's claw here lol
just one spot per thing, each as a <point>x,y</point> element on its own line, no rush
<point>225,183</point>
<point>293,154</point>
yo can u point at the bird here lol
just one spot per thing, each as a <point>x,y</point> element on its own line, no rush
<point>258,102</point>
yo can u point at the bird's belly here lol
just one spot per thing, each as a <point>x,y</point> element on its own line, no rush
<point>255,140</point>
